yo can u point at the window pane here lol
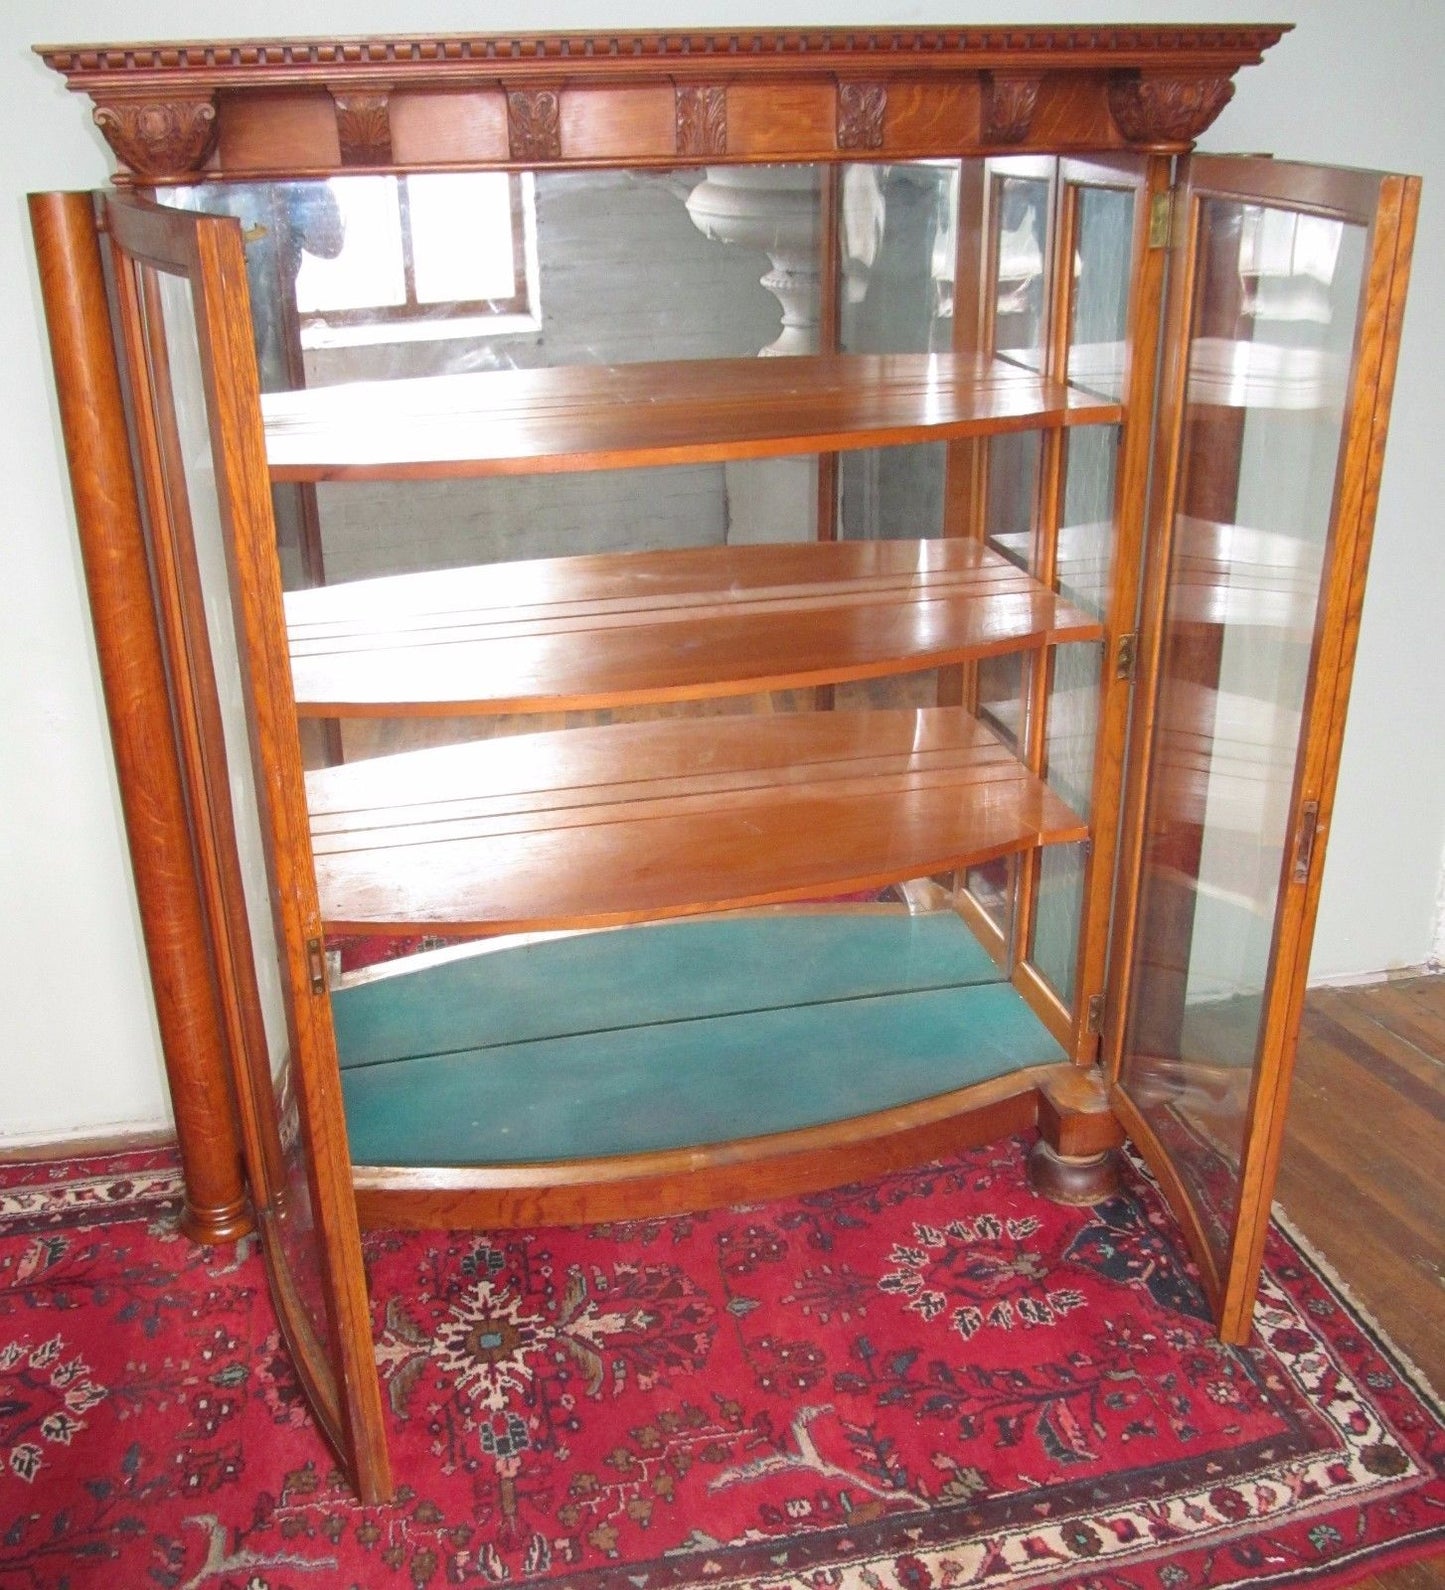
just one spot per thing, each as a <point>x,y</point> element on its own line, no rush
<point>350,231</point>
<point>461,237</point>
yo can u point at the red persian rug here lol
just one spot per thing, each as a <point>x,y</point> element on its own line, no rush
<point>933,1380</point>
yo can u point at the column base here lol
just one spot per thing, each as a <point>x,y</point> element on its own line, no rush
<point>1077,1180</point>
<point>219,1223</point>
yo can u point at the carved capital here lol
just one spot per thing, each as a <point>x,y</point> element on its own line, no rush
<point>860,115</point>
<point>363,126</point>
<point>160,137</point>
<point>534,124</point>
<point>1166,110</point>
<point>1008,107</point>
<point>702,119</point>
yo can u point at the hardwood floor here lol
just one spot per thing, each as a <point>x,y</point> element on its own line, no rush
<point>1364,1168</point>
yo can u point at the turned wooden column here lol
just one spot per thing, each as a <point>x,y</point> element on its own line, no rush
<point>133,674</point>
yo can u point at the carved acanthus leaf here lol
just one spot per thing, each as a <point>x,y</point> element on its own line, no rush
<point>1166,110</point>
<point>159,138</point>
<point>702,119</point>
<point>363,126</point>
<point>534,124</point>
<point>860,115</point>
<point>1008,107</point>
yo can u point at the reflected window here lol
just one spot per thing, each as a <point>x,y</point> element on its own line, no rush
<point>393,259</point>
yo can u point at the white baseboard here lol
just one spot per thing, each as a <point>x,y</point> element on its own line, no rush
<point>1393,974</point>
<point>85,1141</point>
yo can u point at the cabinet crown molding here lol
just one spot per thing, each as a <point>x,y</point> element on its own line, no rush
<point>967,89</point>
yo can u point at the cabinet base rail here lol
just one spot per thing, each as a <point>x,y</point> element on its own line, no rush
<point>1066,1102</point>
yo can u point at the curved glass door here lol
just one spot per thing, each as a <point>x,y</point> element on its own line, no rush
<point>1283,303</point>
<point>184,323</point>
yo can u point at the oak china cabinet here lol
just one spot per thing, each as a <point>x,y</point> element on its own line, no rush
<point>695,616</point>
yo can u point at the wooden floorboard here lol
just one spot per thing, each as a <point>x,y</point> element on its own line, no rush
<point>1363,1171</point>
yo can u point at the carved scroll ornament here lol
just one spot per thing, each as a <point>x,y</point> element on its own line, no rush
<point>1166,110</point>
<point>1008,107</point>
<point>363,126</point>
<point>160,138</point>
<point>534,124</point>
<point>702,120</point>
<point>860,115</point>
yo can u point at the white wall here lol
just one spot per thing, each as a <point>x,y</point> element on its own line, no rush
<point>78,1046</point>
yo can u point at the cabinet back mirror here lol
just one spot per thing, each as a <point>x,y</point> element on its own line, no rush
<point>502,308</point>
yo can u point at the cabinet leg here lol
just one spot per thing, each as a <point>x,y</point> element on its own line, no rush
<point>1075,1160</point>
<point>225,1223</point>
<point>1074,1179</point>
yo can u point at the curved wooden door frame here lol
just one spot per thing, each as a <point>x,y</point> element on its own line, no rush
<point>1386,205</point>
<point>207,252</point>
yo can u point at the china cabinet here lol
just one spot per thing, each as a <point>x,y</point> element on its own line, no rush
<point>694,616</point>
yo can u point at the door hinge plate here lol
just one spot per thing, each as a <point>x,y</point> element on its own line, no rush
<point>316,965</point>
<point>1094,1014</point>
<point>1161,219</point>
<point>1304,844</point>
<point>1126,657</point>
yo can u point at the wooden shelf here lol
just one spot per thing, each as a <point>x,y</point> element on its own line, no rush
<point>611,416</point>
<point>585,827</point>
<point>572,633</point>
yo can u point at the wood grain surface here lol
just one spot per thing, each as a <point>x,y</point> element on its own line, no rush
<point>620,823</point>
<point>689,411</point>
<point>565,633</point>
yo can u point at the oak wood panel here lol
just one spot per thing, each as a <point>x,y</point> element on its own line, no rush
<point>611,629</point>
<point>618,122</point>
<point>504,422</point>
<point>448,126</point>
<point>586,827</point>
<point>923,116</point>
<point>264,133</point>
<point>782,120</point>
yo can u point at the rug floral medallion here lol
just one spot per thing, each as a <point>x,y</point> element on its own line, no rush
<point>937,1379</point>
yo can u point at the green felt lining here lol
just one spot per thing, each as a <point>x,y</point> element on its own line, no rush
<point>666,971</point>
<point>715,1053</point>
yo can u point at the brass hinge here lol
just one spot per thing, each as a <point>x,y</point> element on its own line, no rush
<point>1126,658</point>
<point>1304,844</point>
<point>1161,219</point>
<point>316,965</point>
<point>1094,1015</point>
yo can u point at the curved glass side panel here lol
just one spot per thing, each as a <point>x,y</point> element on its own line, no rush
<point>258,980</point>
<point>1272,329</point>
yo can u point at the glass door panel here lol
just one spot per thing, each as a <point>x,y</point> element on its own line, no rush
<point>185,329</point>
<point>1278,303</point>
<point>1101,299</point>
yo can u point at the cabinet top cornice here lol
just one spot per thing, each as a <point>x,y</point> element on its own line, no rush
<point>240,63</point>
<point>259,109</point>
